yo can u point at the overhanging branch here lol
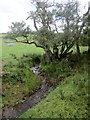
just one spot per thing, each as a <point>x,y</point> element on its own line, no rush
<point>27,42</point>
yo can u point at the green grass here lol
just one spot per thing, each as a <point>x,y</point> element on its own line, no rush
<point>15,91</point>
<point>68,100</point>
<point>18,82</point>
<point>82,49</point>
<point>19,49</point>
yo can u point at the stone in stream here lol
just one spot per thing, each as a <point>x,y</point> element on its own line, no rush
<point>35,70</point>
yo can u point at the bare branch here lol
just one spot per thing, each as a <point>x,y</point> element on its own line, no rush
<point>27,42</point>
<point>32,16</point>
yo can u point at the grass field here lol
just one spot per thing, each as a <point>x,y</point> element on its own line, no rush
<point>18,49</point>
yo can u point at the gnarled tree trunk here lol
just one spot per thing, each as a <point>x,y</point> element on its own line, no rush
<point>77,47</point>
<point>48,54</point>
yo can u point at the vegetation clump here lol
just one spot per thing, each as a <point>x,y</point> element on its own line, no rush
<point>19,81</point>
<point>70,98</point>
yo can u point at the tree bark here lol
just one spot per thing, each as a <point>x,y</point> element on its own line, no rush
<point>48,54</point>
<point>78,49</point>
<point>55,51</point>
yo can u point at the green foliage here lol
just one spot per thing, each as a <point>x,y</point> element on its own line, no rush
<point>56,69</point>
<point>18,29</point>
<point>18,80</point>
<point>44,37</point>
<point>17,72</point>
<point>68,100</point>
<point>46,24</point>
<point>36,59</point>
<point>69,14</point>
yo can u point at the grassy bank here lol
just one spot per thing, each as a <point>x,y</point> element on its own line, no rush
<point>70,98</point>
<point>18,81</point>
<point>15,91</point>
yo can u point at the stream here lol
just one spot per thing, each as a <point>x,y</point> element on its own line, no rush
<point>20,108</point>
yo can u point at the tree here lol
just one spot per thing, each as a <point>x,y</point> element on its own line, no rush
<point>68,14</point>
<point>48,19</point>
<point>18,29</point>
<point>43,19</point>
<point>87,28</point>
